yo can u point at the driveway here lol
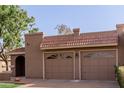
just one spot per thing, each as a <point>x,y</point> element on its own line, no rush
<point>69,84</point>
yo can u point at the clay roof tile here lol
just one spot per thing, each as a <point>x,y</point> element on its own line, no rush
<point>93,38</point>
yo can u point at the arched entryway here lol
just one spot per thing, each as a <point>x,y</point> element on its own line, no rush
<point>20,66</point>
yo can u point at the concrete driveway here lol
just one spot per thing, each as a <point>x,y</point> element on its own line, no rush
<point>69,84</point>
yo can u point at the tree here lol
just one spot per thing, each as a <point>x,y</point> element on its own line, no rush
<point>63,29</point>
<point>14,22</point>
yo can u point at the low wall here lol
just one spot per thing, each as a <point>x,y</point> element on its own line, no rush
<point>5,76</point>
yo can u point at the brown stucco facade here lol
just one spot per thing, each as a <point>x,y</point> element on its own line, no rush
<point>84,62</point>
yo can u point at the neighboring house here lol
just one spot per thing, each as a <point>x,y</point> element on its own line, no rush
<point>78,56</point>
<point>3,65</point>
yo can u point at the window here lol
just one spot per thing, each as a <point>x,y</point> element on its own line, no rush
<point>99,55</point>
<point>53,56</point>
<point>65,56</point>
<point>58,55</point>
<point>68,57</point>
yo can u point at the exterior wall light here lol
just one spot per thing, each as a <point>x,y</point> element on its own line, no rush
<point>76,54</point>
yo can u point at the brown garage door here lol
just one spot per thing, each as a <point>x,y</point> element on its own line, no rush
<point>98,65</point>
<point>59,65</point>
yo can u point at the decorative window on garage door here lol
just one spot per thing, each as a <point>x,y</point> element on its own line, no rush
<point>59,55</point>
<point>99,55</point>
<point>65,56</point>
<point>52,56</point>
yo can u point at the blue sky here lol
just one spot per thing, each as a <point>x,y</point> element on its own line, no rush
<point>87,18</point>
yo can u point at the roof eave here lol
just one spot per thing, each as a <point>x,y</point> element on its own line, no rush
<point>16,53</point>
<point>83,46</point>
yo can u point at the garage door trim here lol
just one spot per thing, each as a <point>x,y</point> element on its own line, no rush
<point>80,73</point>
<point>59,52</point>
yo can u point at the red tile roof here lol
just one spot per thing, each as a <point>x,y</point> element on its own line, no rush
<point>17,51</point>
<point>84,39</point>
<point>22,49</point>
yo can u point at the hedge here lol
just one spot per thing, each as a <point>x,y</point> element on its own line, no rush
<point>120,75</point>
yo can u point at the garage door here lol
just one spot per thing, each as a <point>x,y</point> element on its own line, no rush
<point>59,65</point>
<point>98,65</point>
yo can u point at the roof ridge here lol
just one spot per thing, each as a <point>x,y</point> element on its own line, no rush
<point>59,35</point>
<point>98,32</point>
<point>80,33</point>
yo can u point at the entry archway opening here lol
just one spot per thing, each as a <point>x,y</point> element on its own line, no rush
<point>20,66</point>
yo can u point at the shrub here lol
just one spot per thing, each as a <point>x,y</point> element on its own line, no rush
<point>119,70</point>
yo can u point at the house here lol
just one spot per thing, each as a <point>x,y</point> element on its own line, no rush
<point>3,65</point>
<point>78,56</point>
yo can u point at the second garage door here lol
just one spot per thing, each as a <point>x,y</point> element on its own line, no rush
<point>59,65</point>
<point>98,65</point>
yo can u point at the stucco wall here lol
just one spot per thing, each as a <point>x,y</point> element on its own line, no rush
<point>5,76</point>
<point>33,55</point>
<point>120,30</point>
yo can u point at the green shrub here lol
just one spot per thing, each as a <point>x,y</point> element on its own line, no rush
<point>119,70</point>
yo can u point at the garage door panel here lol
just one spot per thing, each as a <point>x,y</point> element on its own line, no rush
<point>98,65</point>
<point>90,76</point>
<point>59,68</point>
